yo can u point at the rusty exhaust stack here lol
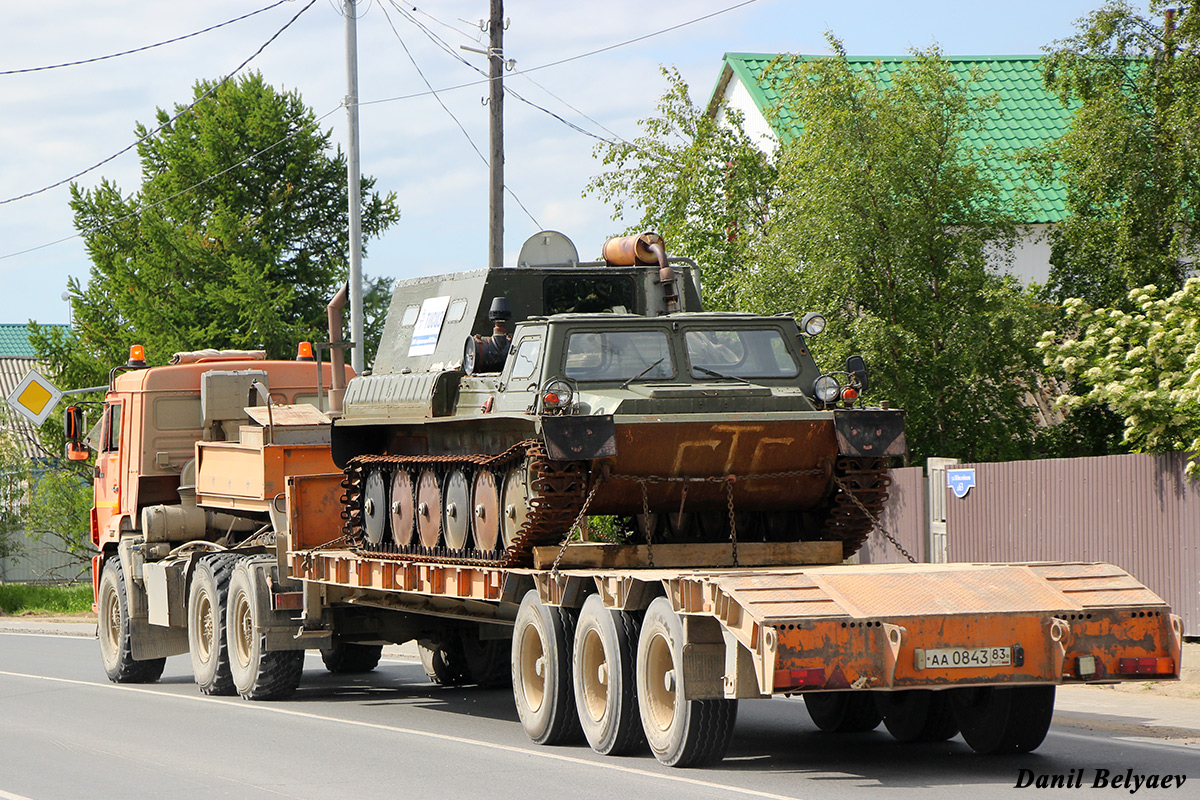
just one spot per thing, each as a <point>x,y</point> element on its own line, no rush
<point>645,249</point>
<point>337,356</point>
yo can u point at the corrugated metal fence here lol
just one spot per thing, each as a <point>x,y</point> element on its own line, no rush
<point>1136,511</point>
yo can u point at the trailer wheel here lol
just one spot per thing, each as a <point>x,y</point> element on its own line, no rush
<point>258,674</point>
<point>541,671</point>
<point>843,712</point>
<point>1003,719</point>
<point>605,652</point>
<point>347,658</point>
<point>116,645</point>
<point>917,715</point>
<point>207,643</point>
<point>445,664</point>
<point>680,732</point>
<point>486,659</point>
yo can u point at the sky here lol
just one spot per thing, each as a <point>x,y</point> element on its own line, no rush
<point>55,123</point>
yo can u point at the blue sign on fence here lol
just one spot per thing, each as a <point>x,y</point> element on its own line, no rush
<point>960,481</point>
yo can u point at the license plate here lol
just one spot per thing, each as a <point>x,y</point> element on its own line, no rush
<point>956,657</point>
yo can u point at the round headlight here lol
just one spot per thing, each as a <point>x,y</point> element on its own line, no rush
<point>813,324</point>
<point>827,388</point>
<point>556,395</point>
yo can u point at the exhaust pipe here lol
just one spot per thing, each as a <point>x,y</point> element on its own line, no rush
<point>645,249</point>
<point>337,355</point>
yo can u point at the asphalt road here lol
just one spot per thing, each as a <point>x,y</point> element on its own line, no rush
<point>66,732</point>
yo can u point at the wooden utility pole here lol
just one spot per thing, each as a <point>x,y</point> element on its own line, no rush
<point>496,162</point>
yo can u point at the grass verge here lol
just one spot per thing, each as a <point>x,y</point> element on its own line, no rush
<point>27,598</point>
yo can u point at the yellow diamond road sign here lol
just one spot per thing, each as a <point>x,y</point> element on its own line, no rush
<point>35,397</point>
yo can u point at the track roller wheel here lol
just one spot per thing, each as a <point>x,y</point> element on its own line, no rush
<point>605,692</point>
<point>515,504</point>
<point>1003,719</point>
<point>429,508</point>
<point>917,715</point>
<point>843,712</point>
<point>403,508</point>
<point>456,510</point>
<point>681,733</point>
<point>485,510</point>
<point>116,645</point>
<point>375,507</point>
<point>541,671</point>
<point>258,674</point>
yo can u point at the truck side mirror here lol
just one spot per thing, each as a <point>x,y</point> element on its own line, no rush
<point>857,370</point>
<point>73,427</point>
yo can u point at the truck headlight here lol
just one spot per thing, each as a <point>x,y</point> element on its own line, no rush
<point>813,324</point>
<point>557,395</point>
<point>827,389</point>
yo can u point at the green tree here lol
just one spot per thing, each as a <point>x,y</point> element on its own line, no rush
<point>236,238</point>
<point>700,182</point>
<point>1142,364</point>
<point>1130,161</point>
<point>887,220</point>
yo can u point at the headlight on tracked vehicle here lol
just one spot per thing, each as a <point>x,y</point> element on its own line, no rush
<point>813,324</point>
<point>827,389</point>
<point>557,395</point>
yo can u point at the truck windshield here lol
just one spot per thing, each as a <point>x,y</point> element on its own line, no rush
<point>619,355</point>
<point>739,353</point>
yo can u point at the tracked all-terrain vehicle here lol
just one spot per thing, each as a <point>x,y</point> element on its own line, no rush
<point>247,510</point>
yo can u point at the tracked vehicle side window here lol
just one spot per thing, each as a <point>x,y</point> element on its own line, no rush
<point>588,294</point>
<point>526,359</point>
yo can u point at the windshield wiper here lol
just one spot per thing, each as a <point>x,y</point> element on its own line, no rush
<point>643,372</point>
<point>716,374</point>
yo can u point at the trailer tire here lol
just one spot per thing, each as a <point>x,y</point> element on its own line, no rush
<point>444,663</point>
<point>258,674</point>
<point>917,715</point>
<point>604,658</point>
<point>541,671</point>
<point>208,645</point>
<point>681,733</point>
<point>116,645</point>
<point>348,658</point>
<point>843,712</point>
<point>1003,720</point>
<point>487,660</point>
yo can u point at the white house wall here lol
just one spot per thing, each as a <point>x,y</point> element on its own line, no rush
<point>738,98</point>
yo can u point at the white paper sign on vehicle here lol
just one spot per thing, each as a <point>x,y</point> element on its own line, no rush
<point>429,325</point>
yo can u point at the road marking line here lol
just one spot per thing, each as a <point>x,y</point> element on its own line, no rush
<point>10,796</point>
<point>537,753</point>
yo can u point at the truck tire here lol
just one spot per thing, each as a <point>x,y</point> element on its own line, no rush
<point>681,733</point>
<point>347,658</point>
<point>207,643</point>
<point>604,656</point>
<point>843,712</point>
<point>445,663</point>
<point>1003,720</point>
<point>541,671</point>
<point>487,660</point>
<point>917,715</point>
<point>258,674</point>
<point>116,647</point>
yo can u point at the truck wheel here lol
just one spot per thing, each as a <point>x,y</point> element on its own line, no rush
<point>541,671</point>
<point>605,696</point>
<point>207,643</point>
<point>258,674</point>
<point>681,733</point>
<point>116,647</point>
<point>1003,719</point>
<point>444,663</point>
<point>486,659</point>
<point>347,658</point>
<point>917,715</point>
<point>843,712</point>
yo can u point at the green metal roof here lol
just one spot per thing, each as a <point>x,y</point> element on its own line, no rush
<point>1025,115</point>
<point>14,340</point>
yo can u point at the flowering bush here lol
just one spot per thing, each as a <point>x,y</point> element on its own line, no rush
<point>1145,365</point>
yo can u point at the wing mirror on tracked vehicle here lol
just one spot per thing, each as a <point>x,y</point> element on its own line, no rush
<point>73,425</point>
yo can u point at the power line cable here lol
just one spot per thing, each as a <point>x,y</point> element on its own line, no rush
<point>148,207</point>
<point>179,114</point>
<point>144,48</point>
<point>445,108</point>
